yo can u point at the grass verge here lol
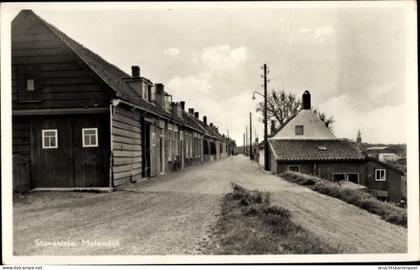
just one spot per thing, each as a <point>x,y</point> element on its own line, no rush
<point>363,200</point>
<point>250,225</point>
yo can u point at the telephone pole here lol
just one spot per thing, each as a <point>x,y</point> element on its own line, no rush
<point>251,156</point>
<point>266,154</point>
<point>244,144</point>
<point>246,140</point>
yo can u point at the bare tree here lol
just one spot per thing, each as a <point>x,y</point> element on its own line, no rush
<point>282,106</point>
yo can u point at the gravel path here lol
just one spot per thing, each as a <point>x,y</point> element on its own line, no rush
<point>174,214</point>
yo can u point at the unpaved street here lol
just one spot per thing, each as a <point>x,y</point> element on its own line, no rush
<point>174,215</point>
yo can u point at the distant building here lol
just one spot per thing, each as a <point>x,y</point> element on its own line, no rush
<point>304,144</point>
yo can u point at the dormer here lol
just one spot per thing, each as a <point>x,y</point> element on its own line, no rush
<point>143,87</point>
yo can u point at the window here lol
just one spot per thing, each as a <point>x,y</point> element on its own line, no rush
<point>299,130</point>
<point>149,92</point>
<point>153,139</point>
<point>152,93</point>
<point>145,91</point>
<point>338,177</point>
<point>322,148</point>
<point>175,136</point>
<point>380,174</point>
<point>170,144</point>
<point>90,137</point>
<point>293,168</point>
<point>49,138</point>
<point>30,85</point>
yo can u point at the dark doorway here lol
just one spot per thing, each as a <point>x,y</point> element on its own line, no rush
<point>146,150</point>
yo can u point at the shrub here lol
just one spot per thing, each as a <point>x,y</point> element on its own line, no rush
<point>363,200</point>
<point>260,228</point>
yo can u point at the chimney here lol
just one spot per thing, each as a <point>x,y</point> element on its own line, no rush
<point>306,100</point>
<point>159,88</point>
<point>191,110</point>
<point>273,126</point>
<point>196,115</point>
<point>135,71</point>
<point>205,120</point>
<point>182,105</point>
<point>160,99</point>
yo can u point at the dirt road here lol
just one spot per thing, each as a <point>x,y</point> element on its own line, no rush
<point>342,225</point>
<point>174,215</point>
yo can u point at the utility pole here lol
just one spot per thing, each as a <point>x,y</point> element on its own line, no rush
<point>244,144</point>
<point>251,156</point>
<point>266,154</point>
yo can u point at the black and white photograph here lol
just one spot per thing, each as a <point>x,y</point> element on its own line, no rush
<point>203,132</point>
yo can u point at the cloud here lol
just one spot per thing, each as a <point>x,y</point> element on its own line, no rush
<point>172,51</point>
<point>318,33</point>
<point>223,57</point>
<point>374,123</point>
<point>208,89</point>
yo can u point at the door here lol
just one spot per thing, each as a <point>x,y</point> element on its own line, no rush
<point>153,154</point>
<point>146,150</point>
<point>90,151</point>
<point>51,152</point>
<point>62,157</point>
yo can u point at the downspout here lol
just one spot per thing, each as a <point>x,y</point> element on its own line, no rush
<point>114,103</point>
<point>111,144</point>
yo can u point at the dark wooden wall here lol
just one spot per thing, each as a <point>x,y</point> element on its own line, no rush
<point>21,148</point>
<point>62,80</point>
<point>127,145</point>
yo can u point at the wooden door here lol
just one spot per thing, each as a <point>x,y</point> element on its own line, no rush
<point>146,150</point>
<point>51,161</point>
<point>90,151</point>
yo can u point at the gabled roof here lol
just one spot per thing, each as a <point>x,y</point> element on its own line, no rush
<point>109,73</point>
<point>313,127</point>
<point>314,150</point>
<point>191,122</point>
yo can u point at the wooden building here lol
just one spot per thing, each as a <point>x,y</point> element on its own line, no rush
<point>80,122</point>
<point>304,144</point>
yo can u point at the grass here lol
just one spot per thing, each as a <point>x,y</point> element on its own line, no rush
<point>250,225</point>
<point>363,200</point>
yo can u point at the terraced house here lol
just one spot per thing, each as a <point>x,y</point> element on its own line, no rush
<point>81,122</point>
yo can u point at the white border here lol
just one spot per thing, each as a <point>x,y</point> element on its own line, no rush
<point>9,10</point>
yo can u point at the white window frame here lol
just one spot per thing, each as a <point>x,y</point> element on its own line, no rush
<point>288,168</point>
<point>380,179</point>
<point>55,137</point>
<point>83,138</point>
<point>33,84</point>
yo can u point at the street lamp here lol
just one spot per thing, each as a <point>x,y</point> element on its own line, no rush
<point>265,127</point>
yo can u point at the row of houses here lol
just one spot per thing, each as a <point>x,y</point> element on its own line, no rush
<point>81,122</point>
<point>304,144</point>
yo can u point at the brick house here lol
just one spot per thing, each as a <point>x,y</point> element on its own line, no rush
<point>304,144</point>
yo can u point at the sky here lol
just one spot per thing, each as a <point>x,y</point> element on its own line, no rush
<point>353,60</point>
